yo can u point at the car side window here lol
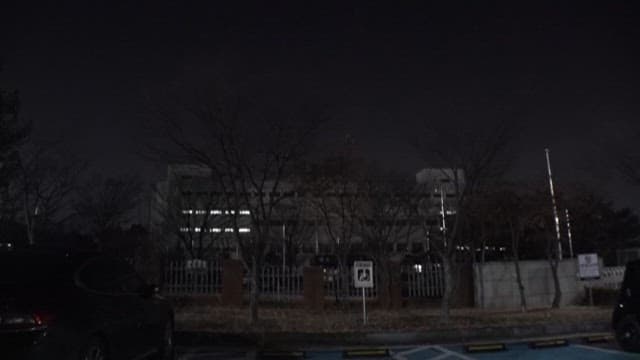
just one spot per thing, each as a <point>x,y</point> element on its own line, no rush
<point>110,276</point>
<point>132,284</point>
<point>632,280</point>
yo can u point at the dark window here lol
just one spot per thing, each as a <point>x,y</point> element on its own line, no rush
<point>132,284</point>
<point>107,275</point>
<point>632,277</point>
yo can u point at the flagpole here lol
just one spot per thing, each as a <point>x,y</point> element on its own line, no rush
<point>553,203</point>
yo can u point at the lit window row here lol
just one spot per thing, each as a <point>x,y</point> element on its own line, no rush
<point>215,212</point>
<point>214,230</point>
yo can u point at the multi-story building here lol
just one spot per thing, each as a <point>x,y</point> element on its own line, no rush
<point>191,215</point>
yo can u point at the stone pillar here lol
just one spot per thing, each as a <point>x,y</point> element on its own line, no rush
<point>232,273</point>
<point>396,286</point>
<point>390,296</point>
<point>313,283</point>
<point>463,293</point>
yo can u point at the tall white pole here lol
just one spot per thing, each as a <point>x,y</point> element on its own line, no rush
<point>444,222</point>
<point>566,212</point>
<point>364,307</point>
<point>284,249</point>
<point>553,202</point>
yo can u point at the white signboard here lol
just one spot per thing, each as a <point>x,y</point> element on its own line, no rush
<point>363,274</point>
<point>588,266</point>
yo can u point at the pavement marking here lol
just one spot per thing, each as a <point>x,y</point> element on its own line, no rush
<point>608,351</point>
<point>453,353</point>
<point>440,357</point>
<point>402,355</point>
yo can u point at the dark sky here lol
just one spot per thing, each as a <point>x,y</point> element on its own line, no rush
<point>86,71</point>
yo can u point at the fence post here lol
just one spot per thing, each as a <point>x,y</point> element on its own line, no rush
<point>313,287</point>
<point>232,274</point>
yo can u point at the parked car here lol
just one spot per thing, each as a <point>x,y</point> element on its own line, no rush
<point>61,305</point>
<point>626,315</point>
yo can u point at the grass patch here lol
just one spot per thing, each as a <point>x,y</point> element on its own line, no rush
<point>348,319</point>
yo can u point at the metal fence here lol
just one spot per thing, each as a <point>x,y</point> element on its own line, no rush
<point>278,283</point>
<point>610,278</point>
<point>422,280</point>
<point>340,286</point>
<point>193,277</point>
<point>204,277</point>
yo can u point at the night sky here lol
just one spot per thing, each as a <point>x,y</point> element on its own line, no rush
<point>87,71</point>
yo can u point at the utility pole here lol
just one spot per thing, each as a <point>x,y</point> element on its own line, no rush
<point>553,203</point>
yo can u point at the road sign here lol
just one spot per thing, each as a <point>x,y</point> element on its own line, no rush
<point>363,274</point>
<point>588,266</point>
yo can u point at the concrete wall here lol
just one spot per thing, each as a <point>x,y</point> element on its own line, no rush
<point>501,288</point>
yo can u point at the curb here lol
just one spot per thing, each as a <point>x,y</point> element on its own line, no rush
<point>437,336</point>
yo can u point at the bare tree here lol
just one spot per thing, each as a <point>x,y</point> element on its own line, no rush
<point>45,186</point>
<point>622,152</point>
<point>252,155</point>
<point>476,157</point>
<point>517,213</point>
<point>107,204</point>
<point>296,216</point>
<point>14,132</point>
<point>385,218</point>
<point>192,213</point>
<point>338,193</point>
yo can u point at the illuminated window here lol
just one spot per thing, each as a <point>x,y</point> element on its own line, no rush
<point>244,230</point>
<point>215,230</point>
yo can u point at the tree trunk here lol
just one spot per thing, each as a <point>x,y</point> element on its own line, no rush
<point>523,298</point>
<point>448,289</point>
<point>481,273</point>
<point>515,248</point>
<point>29,221</point>
<point>255,291</point>
<point>557,296</point>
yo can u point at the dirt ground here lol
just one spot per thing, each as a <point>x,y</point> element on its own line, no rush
<point>296,319</point>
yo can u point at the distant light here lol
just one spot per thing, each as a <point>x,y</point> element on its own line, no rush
<point>244,230</point>
<point>417,268</point>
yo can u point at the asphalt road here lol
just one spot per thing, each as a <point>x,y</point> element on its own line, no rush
<point>572,350</point>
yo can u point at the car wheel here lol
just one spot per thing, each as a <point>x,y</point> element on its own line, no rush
<point>94,350</point>
<point>166,348</point>
<point>628,334</point>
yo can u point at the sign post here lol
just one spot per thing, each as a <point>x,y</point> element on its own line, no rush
<point>589,269</point>
<point>363,278</point>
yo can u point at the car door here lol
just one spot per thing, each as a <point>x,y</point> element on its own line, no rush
<point>114,311</point>
<point>136,290</point>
